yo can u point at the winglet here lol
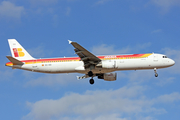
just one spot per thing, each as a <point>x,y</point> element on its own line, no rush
<point>70,41</point>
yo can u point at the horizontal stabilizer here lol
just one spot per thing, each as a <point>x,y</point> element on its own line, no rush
<point>14,60</point>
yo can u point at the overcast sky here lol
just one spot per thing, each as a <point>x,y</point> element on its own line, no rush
<point>106,27</point>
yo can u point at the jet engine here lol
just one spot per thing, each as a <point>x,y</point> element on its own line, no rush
<point>108,76</point>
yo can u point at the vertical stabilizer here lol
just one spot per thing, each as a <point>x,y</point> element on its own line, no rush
<point>18,51</point>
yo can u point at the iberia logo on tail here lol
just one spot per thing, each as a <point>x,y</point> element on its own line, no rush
<point>18,52</point>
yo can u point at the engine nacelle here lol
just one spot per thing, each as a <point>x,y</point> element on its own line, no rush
<point>108,64</point>
<point>108,76</point>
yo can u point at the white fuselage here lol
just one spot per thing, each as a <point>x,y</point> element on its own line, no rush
<point>86,62</point>
<point>108,64</point>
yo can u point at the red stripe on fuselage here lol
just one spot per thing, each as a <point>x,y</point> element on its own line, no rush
<point>77,58</point>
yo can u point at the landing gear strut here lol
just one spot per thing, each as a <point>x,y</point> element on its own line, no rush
<point>156,75</point>
<point>90,74</point>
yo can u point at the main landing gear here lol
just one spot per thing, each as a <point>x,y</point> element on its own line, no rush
<point>155,70</point>
<point>91,81</point>
<point>90,74</point>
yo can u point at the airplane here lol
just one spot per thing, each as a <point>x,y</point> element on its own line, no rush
<point>87,63</point>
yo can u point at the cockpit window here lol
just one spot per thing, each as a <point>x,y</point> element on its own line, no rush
<point>165,57</point>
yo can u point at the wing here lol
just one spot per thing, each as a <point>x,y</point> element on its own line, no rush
<point>87,57</point>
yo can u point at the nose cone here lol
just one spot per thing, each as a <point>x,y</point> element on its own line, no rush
<point>171,62</point>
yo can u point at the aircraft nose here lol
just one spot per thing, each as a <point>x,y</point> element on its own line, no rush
<point>172,62</point>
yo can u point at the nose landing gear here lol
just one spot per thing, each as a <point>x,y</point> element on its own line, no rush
<point>155,70</point>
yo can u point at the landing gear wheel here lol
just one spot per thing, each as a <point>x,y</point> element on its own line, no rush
<point>91,81</point>
<point>155,70</point>
<point>156,75</point>
<point>90,73</point>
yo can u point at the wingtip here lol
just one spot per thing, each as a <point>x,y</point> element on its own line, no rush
<point>70,41</point>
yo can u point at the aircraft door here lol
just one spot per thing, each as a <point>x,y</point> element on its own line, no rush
<point>155,59</point>
<point>115,65</point>
<point>34,64</point>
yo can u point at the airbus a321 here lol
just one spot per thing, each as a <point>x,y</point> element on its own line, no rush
<point>87,63</point>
